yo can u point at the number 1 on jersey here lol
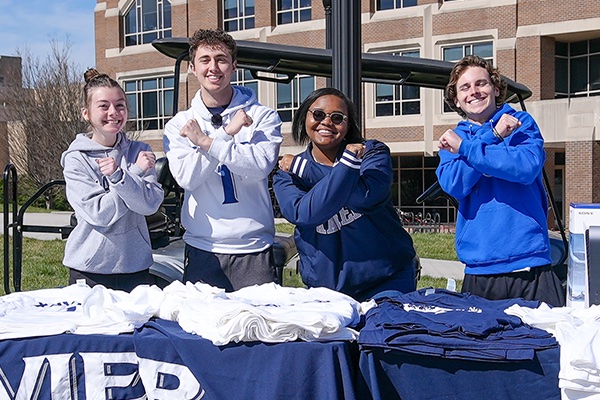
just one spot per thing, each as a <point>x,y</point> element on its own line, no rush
<point>228,186</point>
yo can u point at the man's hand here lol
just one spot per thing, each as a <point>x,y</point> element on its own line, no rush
<point>450,141</point>
<point>239,120</point>
<point>506,125</point>
<point>192,131</point>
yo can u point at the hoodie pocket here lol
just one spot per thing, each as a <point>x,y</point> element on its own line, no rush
<point>500,232</point>
<point>117,250</point>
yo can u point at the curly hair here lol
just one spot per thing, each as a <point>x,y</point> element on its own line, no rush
<point>299,133</point>
<point>212,38</point>
<point>460,67</point>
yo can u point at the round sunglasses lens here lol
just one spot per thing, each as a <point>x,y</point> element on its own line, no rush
<point>337,118</point>
<point>319,115</point>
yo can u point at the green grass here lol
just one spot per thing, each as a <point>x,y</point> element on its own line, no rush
<point>42,264</point>
<point>42,260</point>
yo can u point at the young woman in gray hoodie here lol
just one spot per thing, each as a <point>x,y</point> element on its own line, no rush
<point>111,184</point>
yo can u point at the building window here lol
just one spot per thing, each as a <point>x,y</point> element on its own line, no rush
<point>456,53</point>
<point>393,4</point>
<point>238,15</point>
<point>150,102</point>
<point>577,67</point>
<point>290,95</point>
<point>397,99</point>
<point>290,11</point>
<point>146,21</point>
<point>412,176</point>
<point>243,77</point>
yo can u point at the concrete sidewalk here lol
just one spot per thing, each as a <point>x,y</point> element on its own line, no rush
<point>55,218</point>
<point>442,269</point>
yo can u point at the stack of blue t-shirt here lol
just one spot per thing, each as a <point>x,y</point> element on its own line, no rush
<point>438,322</point>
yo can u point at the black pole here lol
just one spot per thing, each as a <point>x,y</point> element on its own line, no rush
<point>346,50</point>
<point>327,7</point>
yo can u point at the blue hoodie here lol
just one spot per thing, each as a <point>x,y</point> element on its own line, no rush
<point>502,215</point>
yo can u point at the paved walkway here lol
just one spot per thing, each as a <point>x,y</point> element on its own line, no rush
<point>442,269</point>
<point>57,218</point>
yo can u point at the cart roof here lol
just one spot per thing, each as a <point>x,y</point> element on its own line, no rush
<point>260,58</point>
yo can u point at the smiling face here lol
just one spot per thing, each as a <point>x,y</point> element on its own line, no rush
<point>214,67</point>
<point>325,135</point>
<point>476,94</point>
<point>107,114</point>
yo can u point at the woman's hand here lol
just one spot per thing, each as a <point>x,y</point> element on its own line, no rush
<point>145,160</point>
<point>357,148</point>
<point>285,163</point>
<point>108,165</point>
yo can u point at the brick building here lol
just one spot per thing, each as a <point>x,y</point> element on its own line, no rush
<point>10,76</point>
<point>551,46</point>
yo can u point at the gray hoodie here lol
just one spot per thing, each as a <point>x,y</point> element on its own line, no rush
<point>111,235</point>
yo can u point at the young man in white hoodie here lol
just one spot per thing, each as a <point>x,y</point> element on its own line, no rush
<point>221,152</point>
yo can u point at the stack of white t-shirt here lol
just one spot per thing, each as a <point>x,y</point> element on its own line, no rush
<point>109,311</point>
<point>76,309</point>
<point>41,312</point>
<point>267,313</point>
<point>578,333</point>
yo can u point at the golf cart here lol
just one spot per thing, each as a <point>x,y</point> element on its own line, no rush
<point>278,63</point>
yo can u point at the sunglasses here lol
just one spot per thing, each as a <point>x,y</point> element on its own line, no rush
<point>336,117</point>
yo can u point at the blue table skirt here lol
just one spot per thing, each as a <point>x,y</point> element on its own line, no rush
<point>391,375</point>
<point>163,361</point>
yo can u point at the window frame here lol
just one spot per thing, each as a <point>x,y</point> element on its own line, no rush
<point>295,10</point>
<point>588,56</point>
<point>243,19</point>
<point>398,100</point>
<point>137,120</point>
<point>296,96</point>
<point>139,35</point>
<point>396,4</point>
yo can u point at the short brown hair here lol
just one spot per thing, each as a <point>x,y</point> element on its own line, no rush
<point>212,38</point>
<point>457,71</point>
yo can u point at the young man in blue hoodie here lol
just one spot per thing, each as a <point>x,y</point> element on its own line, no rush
<point>492,164</point>
<point>221,152</point>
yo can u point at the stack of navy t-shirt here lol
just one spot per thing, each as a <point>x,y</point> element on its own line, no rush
<point>452,325</point>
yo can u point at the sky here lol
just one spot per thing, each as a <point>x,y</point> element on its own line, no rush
<point>30,24</point>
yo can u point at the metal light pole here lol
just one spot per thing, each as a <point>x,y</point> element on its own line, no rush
<point>327,8</point>
<point>345,35</point>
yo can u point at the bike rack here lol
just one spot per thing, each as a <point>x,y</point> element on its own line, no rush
<point>17,226</point>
